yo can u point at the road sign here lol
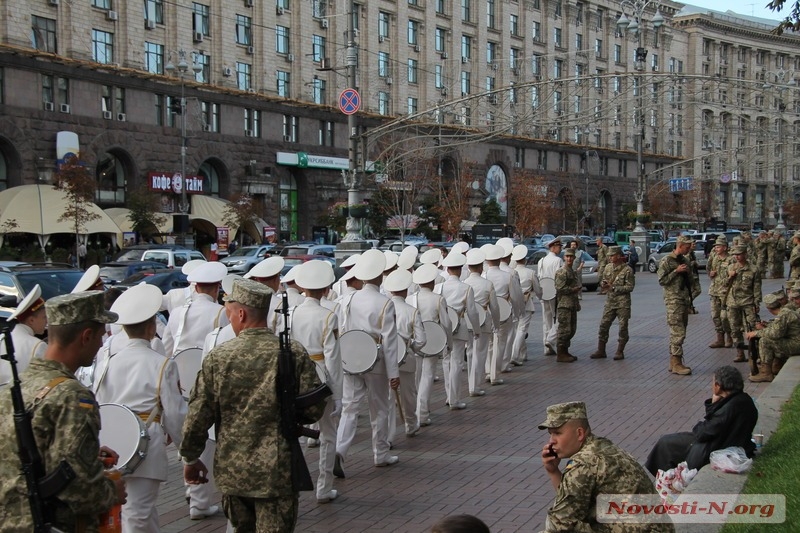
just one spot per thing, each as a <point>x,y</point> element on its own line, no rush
<point>680,184</point>
<point>349,101</point>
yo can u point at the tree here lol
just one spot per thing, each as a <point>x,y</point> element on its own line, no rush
<point>490,213</point>
<point>79,188</point>
<point>792,21</point>
<point>532,203</point>
<point>241,210</point>
<point>143,205</point>
<point>454,202</point>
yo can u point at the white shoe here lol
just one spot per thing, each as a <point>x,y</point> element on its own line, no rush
<point>199,514</point>
<point>389,461</point>
<point>328,498</point>
<point>425,422</point>
<point>412,432</point>
<point>479,392</point>
<point>458,406</point>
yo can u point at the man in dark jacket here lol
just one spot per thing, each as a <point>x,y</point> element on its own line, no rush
<point>730,418</point>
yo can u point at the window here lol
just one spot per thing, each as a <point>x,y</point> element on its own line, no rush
<point>172,102</point>
<point>618,53</point>
<point>200,18</point>
<point>43,34</point>
<point>466,5</point>
<point>558,9</point>
<point>284,4</point>
<point>490,11</point>
<point>102,4</point>
<point>536,65</point>
<point>412,105</point>
<point>465,83</point>
<point>513,58</point>
<point>283,79</point>
<point>579,41</point>
<point>412,71</point>
<point>244,30</point>
<point>290,128</point>
<point>112,99</point>
<point>536,30</point>
<point>102,47</point>
<point>158,101</point>
<point>383,24</point>
<point>440,7</point>
<point>243,76</point>
<point>383,103</point>
<point>154,58</point>
<point>439,39</point>
<point>542,159</point>
<point>326,137</point>
<point>204,74</point>
<point>557,37</point>
<point>383,65</point>
<point>318,94</point>
<point>490,82</point>
<point>317,48</point>
<point>466,46</point>
<point>598,48</point>
<point>282,39</point>
<point>535,97</point>
<point>413,32</point>
<point>252,122</point>
<point>210,113</point>
<point>319,8</point>
<point>558,68</point>
<point>438,77</point>
<point>514,24</point>
<point>491,52</point>
<point>557,105</point>
<point>154,10</point>
<point>600,15</point>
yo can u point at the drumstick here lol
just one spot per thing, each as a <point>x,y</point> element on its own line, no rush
<point>399,406</point>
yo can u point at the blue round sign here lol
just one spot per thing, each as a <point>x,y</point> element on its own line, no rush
<point>349,101</point>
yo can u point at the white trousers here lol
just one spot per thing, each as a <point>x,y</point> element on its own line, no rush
<point>408,399</point>
<point>549,323</point>
<point>501,338</point>
<point>202,496</point>
<point>375,387</point>
<point>426,367</point>
<point>139,514</point>
<point>508,352</point>
<point>452,363</point>
<point>520,350</point>
<point>327,449</point>
<point>477,361</point>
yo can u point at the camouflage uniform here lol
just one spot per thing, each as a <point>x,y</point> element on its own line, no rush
<point>568,306</point>
<point>781,338</point>
<point>236,390</point>
<point>678,289</point>
<point>66,424</point>
<point>794,261</point>
<point>618,304</point>
<point>779,247</point>
<point>602,258</point>
<point>744,299</point>
<point>718,291</point>
<point>761,244</point>
<point>599,467</point>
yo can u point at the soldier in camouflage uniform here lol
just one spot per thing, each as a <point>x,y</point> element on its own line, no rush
<point>675,276</point>
<point>779,256</point>
<point>596,466</point>
<point>717,269</point>
<point>618,282</point>
<point>236,390</point>
<point>65,420</point>
<point>761,244</point>
<point>744,298</point>
<point>602,255</point>
<point>567,290</point>
<point>778,339</point>
<point>794,258</point>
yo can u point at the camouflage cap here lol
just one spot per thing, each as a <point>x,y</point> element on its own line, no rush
<point>250,293</point>
<point>685,239</point>
<point>721,241</point>
<point>794,293</point>
<point>569,252</point>
<point>560,414</point>
<point>796,235</point>
<point>614,250</point>
<point>78,307</point>
<point>772,301</point>
<point>739,249</point>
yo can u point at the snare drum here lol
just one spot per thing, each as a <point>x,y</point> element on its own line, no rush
<point>436,339</point>
<point>481,318</point>
<point>453,316</point>
<point>85,374</point>
<point>125,433</point>
<point>548,286</point>
<point>359,352</point>
<point>189,362</point>
<point>505,309</point>
<point>402,351</point>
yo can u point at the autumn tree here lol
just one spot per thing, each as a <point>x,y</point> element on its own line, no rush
<point>239,212</point>
<point>144,213</point>
<point>531,203</point>
<point>79,188</point>
<point>455,203</point>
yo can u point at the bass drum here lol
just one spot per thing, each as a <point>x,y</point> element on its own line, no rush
<point>359,352</point>
<point>189,362</point>
<point>125,433</point>
<point>453,316</point>
<point>436,339</point>
<point>402,351</point>
<point>505,310</point>
<point>481,318</point>
<point>548,286</point>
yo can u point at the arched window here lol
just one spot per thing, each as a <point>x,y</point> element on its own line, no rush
<point>210,179</point>
<point>111,174</point>
<point>288,208</point>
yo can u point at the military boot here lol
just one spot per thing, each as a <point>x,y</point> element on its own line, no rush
<point>764,374</point>
<point>728,340</point>
<point>601,350</point>
<point>740,356</point>
<point>562,356</point>
<point>676,366</point>
<point>719,343</point>
<point>620,351</point>
<point>777,364</point>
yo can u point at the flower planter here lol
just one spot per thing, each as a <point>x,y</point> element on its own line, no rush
<point>358,211</point>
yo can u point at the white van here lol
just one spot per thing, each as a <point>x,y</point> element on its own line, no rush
<point>172,258</point>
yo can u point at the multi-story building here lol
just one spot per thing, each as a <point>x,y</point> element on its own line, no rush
<point>549,86</point>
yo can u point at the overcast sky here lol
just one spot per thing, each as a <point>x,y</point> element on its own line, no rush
<point>756,8</point>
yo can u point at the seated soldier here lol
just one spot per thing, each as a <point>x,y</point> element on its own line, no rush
<point>777,339</point>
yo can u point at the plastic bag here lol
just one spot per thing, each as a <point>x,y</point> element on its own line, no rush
<point>670,483</point>
<point>733,460</point>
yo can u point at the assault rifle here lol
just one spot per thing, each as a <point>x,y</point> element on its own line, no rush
<point>41,487</point>
<point>293,405</point>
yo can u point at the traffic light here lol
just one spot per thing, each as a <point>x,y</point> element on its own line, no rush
<point>175,106</point>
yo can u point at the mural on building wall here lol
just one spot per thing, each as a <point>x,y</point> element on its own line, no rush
<point>497,187</point>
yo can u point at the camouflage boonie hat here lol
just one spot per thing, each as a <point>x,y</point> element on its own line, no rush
<point>772,301</point>
<point>685,239</point>
<point>739,249</point>
<point>721,241</point>
<point>78,307</point>
<point>614,250</point>
<point>569,251</point>
<point>560,414</point>
<point>250,293</point>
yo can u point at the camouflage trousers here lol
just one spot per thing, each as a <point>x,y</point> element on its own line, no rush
<point>567,325</point>
<point>741,319</point>
<point>677,319</point>
<point>719,316</point>
<point>762,266</point>
<point>262,515</point>
<point>770,349</point>
<point>622,314</point>
<point>776,268</point>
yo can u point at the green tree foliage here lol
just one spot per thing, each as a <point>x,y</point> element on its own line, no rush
<point>791,22</point>
<point>490,213</point>
<point>144,215</point>
<point>79,188</point>
<point>240,211</point>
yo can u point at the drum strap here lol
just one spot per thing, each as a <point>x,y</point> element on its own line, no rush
<point>96,384</point>
<point>155,414</point>
<point>33,352</point>
<point>181,325</point>
<point>216,320</point>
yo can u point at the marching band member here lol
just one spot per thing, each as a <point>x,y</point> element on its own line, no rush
<point>391,266</point>
<point>516,299</point>
<point>485,297</point>
<point>147,383</point>
<point>317,329</point>
<point>369,311</point>
<point>546,270</point>
<point>90,281</point>
<point>339,287</point>
<point>268,272</point>
<point>292,290</point>
<point>178,297</point>
<point>529,286</point>
<point>31,321</point>
<point>503,289</point>
<point>406,261</point>
<point>460,297</point>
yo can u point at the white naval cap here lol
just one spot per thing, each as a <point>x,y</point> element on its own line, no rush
<point>271,266</point>
<point>315,274</point>
<point>408,257</point>
<point>494,252</point>
<point>507,244</point>
<point>460,246</point>
<point>391,259</point>
<point>476,257</point>
<point>370,265</point>
<point>350,261</point>
<point>520,252</point>
<point>227,282</point>
<point>397,281</point>
<point>425,274</point>
<point>432,256</point>
<point>290,276</point>
<point>33,301</point>
<point>350,274</point>
<point>208,272</point>
<point>189,266</point>
<point>88,280</point>
<point>454,259</point>
<point>139,303</point>
<point>485,247</point>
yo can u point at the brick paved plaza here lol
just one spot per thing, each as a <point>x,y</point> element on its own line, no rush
<point>484,460</point>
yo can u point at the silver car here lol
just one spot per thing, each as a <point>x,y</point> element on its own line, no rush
<point>591,277</point>
<point>668,247</point>
<point>246,257</point>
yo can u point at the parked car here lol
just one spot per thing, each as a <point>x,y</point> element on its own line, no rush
<point>591,278</point>
<point>134,253</point>
<point>17,280</point>
<point>566,239</point>
<point>308,249</point>
<point>668,247</point>
<point>172,258</point>
<point>293,260</point>
<point>166,280</point>
<point>398,246</point>
<point>114,272</point>
<point>246,257</point>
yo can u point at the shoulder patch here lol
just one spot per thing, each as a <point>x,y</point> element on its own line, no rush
<point>86,403</point>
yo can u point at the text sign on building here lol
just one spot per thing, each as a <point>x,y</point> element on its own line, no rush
<point>173,182</point>
<point>680,184</point>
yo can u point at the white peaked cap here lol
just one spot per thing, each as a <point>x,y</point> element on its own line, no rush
<point>291,275</point>
<point>454,259</point>
<point>350,261</point>
<point>189,266</point>
<point>494,253</point>
<point>486,246</point>
<point>391,259</point>
<point>350,274</point>
<point>520,252</point>
<point>507,244</point>
<point>431,256</point>
<point>460,246</point>
<point>209,272</point>
<point>476,257</point>
<point>88,279</point>
<point>227,282</point>
<point>408,257</point>
<point>370,265</point>
<point>139,303</point>
<point>271,266</point>
<point>425,274</point>
<point>27,302</point>
<point>315,274</point>
<point>397,281</point>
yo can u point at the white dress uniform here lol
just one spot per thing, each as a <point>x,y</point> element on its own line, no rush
<point>26,347</point>
<point>461,298</point>
<point>140,378</point>
<point>191,323</point>
<point>546,269</point>
<point>409,328</point>
<point>503,288</point>
<point>485,297</point>
<point>432,308</point>
<point>316,328</point>
<point>177,298</point>
<point>295,296</point>
<point>530,287</point>
<point>368,310</point>
<point>517,301</point>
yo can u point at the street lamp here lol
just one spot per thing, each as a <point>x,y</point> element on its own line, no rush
<point>636,24</point>
<point>182,69</point>
<point>784,79</point>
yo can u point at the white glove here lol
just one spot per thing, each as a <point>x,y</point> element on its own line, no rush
<point>337,408</point>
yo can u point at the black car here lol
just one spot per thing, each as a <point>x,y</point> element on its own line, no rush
<point>166,280</point>
<point>18,280</point>
<point>114,272</point>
